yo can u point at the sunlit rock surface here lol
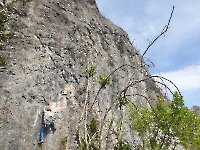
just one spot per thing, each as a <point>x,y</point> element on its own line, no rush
<point>53,44</point>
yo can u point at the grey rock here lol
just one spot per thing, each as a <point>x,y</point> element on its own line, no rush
<point>53,44</point>
<point>196,109</point>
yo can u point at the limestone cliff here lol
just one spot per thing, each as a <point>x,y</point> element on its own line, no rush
<point>53,43</point>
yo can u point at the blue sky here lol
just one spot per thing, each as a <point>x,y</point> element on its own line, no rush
<point>177,54</point>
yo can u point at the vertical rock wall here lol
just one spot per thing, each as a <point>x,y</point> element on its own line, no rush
<point>53,44</point>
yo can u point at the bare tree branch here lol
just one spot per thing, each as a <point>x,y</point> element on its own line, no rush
<point>163,31</point>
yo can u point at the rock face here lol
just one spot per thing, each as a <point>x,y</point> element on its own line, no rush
<point>53,44</point>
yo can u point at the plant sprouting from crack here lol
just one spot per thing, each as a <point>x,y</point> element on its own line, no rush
<point>105,81</point>
<point>122,101</point>
<point>90,72</point>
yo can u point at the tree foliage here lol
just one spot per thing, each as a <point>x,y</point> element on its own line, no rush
<point>166,126</point>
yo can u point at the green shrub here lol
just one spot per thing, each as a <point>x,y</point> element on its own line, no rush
<point>164,126</point>
<point>90,72</point>
<point>105,81</point>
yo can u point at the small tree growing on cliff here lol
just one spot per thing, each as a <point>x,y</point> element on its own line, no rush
<point>166,126</point>
<point>160,127</point>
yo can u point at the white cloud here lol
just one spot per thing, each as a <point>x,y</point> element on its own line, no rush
<point>185,79</point>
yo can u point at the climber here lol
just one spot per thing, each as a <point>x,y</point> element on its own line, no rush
<point>48,120</point>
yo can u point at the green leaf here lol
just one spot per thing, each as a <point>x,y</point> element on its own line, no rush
<point>105,81</point>
<point>90,72</point>
<point>123,101</point>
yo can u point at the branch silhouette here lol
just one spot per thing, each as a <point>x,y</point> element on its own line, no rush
<point>165,29</point>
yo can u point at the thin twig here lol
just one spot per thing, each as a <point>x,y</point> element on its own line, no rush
<point>160,77</point>
<point>163,31</point>
<point>95,99</point>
